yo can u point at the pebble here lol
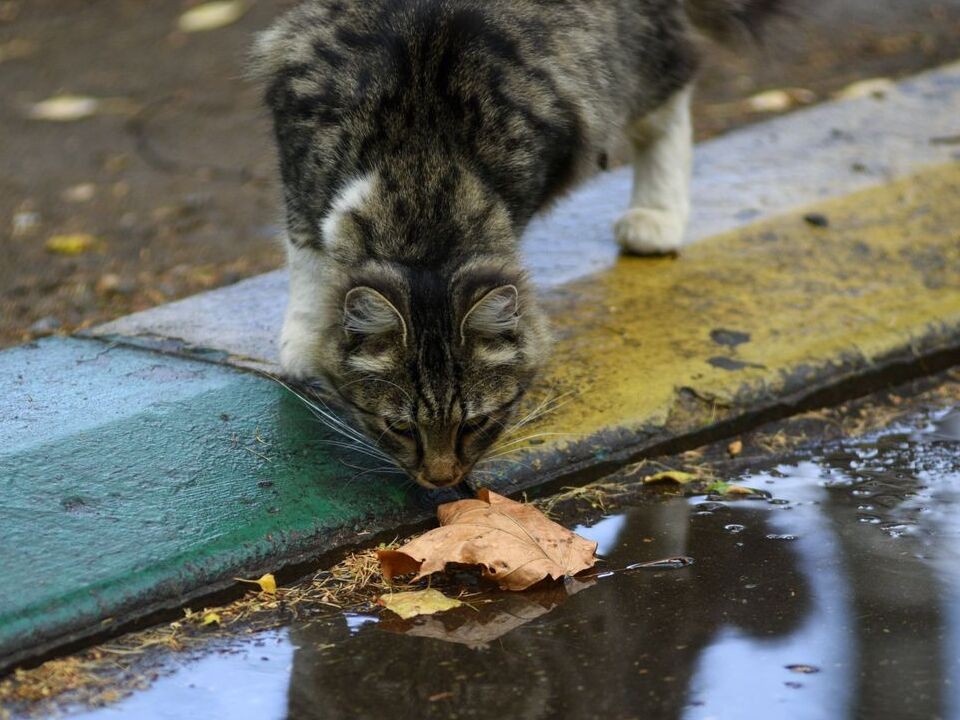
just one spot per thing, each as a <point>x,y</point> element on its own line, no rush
<point>113,284</point>
<point>44,326</point>
<point>81,193</point>
<point>25,223</point>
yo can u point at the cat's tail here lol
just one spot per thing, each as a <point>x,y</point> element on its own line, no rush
<point>729,20</point>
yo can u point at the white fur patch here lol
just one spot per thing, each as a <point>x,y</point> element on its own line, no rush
<point>350,197</point>
<point>301,337</point>
<point>503,355</point>
<point>371,364</point>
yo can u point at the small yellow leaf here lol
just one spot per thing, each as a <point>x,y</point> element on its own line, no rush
<point>674,476</point>
<point>211,618</point>
<point>735,448</point>
<point>65,108</point>
<point>418,602</point>
<point>267,583</point>
<point>738,490</point>
<point>211,15</point>
<point>74,244</point>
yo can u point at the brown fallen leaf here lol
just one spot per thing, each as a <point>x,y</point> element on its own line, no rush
<point>674,476</point>
<point>735,448</point>
<point>418,602</point>
<point>515,544</point>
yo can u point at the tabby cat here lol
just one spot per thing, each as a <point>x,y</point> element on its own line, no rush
<point>417,139</point>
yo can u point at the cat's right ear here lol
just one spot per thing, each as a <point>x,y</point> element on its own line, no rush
<point>369,314</point>
<point>493,315</point>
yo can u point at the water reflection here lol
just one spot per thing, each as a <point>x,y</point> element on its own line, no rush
<point>839,597</point>
<point>628,645</point>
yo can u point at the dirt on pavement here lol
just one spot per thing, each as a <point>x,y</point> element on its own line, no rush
<point>170,185</point>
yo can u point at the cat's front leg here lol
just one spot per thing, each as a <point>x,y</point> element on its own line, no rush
<point>302,334</point>
<point>662,149</point>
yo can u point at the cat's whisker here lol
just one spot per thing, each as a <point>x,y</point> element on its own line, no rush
<point>548,405</point>
<point>498,458</point>
<point>311,402</point>
<point>543,407</point>
<point>383,470</point>
<point>329,415</point>
<point>354,439</point>
<point>518,441</point>
<point>357,449</point>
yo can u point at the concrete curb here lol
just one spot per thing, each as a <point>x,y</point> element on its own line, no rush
<point>755,173</point>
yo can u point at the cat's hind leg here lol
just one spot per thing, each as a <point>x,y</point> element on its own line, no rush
<point>662,150</point>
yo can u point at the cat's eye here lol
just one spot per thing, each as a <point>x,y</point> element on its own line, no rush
<point>402,428</point>
<point>474,424</point>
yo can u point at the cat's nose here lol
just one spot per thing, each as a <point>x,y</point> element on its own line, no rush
<point>442,472</point>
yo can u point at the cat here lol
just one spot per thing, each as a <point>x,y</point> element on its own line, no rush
<point>417,139</point>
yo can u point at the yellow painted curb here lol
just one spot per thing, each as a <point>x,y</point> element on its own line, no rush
<point>662,347</point>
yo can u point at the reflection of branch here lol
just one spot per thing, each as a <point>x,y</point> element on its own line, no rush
<point>478,626</point>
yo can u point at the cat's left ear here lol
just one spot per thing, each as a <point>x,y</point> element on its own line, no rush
<point>495,314</point>
<point>368,313</point>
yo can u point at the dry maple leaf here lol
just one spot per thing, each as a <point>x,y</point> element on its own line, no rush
<point>516,545</point>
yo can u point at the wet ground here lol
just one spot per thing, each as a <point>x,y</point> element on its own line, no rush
<point>174,178</point>
<point>833,594</point>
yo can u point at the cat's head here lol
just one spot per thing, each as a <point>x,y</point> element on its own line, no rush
<point>432,333</point>
<point>432,365</point>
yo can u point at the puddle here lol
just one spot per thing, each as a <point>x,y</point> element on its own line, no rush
<point>836,597</point>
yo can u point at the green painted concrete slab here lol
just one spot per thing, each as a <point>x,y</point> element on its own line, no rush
<point>129,481</point>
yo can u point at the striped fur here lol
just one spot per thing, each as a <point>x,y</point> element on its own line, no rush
<point>417,139</point>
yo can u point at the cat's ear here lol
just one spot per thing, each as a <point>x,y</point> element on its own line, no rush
<point>496,313</point>
<point>368,313</point>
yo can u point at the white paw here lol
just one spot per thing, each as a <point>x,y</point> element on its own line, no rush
<point>299,351</point>
<point>648,231</point>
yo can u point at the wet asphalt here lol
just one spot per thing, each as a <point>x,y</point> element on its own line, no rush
<point>832,593</point>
